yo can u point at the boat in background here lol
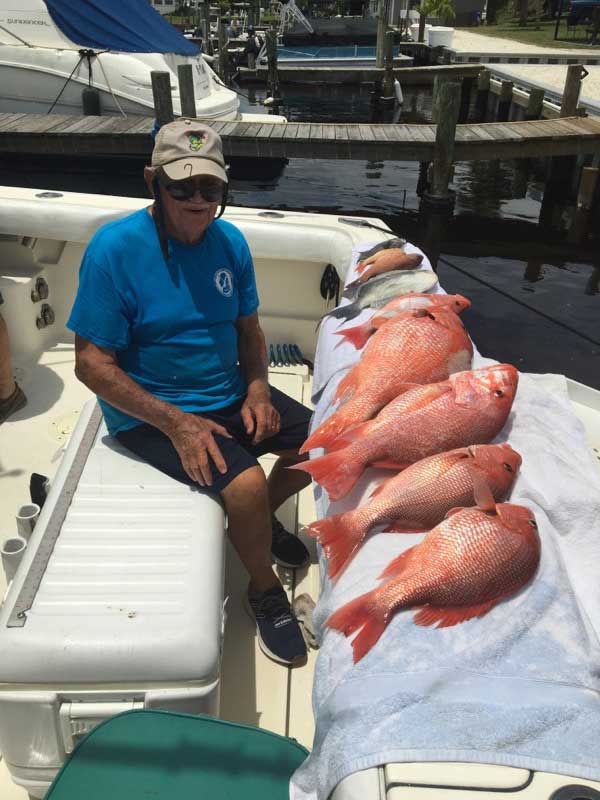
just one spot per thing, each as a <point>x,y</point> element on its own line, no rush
<point>52,53</point>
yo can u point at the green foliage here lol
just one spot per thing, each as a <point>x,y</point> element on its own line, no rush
<point>440,9</point>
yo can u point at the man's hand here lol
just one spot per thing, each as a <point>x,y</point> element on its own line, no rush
<point>259,416</point>
<point>385,261</point>
<point>192,437</point>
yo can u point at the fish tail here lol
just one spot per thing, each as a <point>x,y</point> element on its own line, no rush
<point>326,434</point>
<point>336,472</point>
<point>358,335</point>
<point>359,615</point>
<point>346,312</point>
<point>340,536</point>
<point>346,387</point>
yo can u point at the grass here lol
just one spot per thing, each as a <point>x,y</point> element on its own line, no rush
<point>544,37</point>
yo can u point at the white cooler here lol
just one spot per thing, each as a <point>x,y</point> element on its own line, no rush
<point>129,611</point>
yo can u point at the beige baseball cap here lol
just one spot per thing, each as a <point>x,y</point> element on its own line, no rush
<point>185,148</point>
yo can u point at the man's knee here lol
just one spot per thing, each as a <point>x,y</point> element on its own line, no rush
<point>249,487</point>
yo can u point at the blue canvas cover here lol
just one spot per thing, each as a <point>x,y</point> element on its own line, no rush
<point>130,27</point>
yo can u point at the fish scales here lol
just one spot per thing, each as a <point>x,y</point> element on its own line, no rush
<point>417,347</point>
<point>464,566</point>
<point>470,408</point>
<point>419,497</point>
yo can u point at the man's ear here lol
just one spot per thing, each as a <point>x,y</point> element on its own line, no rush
<point>149,175</point>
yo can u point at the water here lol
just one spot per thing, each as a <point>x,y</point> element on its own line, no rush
<point>538,305</point>
<point>303,52</point>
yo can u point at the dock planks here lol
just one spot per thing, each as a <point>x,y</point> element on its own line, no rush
<point>100,136</point>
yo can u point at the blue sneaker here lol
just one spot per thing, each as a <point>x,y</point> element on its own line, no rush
<point>279,634</point>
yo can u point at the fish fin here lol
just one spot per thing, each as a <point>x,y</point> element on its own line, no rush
<point>339,538</point>
<point>453,511</point>
<point>346,387</point>
<point>484,499</point>
<point>359,615</point>
<point>346,312</point>
<point>348,436</point>
<point>389,465</point>
<point>400,564</point>
<point>327,433</point>
<point>446,617</point>
<point>335,472</point>
<point>378,489</point>
<point>358,335</point>
<point>400,526</point>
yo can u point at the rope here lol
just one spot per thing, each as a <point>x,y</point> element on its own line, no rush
<point>520,302</point>
<point>81,57</point>
<point>110,88</point>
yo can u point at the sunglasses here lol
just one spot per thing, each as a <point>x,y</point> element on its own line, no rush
<point>210,191</point>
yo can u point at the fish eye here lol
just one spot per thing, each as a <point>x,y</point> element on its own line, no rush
<point>533,523</point>
<point>508,467</point>
<point>499,393</point>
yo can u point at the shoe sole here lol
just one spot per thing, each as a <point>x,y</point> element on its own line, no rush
<point>287,564</point>
<point>20,403</point>
<point>299,661</point>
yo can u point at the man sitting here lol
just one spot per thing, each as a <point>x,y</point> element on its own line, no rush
<point>168,337</point>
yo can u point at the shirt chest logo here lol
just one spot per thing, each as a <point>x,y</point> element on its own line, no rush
<point>224,282</point>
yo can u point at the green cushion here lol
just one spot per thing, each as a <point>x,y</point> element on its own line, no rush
<point>160,755</point>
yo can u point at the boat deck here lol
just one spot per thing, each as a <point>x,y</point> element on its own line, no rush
<point>254,690</point>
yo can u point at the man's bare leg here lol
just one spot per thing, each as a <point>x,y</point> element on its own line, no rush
<point>7,383</point>
<point>283,482</point>
<point>247,505</point>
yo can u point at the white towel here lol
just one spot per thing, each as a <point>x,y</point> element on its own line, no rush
<point>519,686</point>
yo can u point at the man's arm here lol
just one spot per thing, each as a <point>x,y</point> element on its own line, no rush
<point>191,435</point>
<point>257,412</point>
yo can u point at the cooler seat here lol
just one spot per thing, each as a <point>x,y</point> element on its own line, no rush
<point>129,612</point>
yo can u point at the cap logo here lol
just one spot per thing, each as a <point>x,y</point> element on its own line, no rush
<point>196,141</point>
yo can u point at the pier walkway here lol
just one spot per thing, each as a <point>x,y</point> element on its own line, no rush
<point>116,136</point>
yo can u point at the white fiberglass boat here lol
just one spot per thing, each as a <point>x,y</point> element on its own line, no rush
<point>117,621</point>
<point>50,52</point>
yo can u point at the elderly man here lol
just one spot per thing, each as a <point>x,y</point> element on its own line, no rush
<point>168,337</point>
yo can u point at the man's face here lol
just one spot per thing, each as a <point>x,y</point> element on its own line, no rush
<point>187,220</point>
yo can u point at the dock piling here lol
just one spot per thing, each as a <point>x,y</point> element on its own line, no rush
<point>382,26</point>
<point>206,37</point>
<point>388,77</point>
<point>585,197</point>
<point>483,93</point>
<point>186,90</point>
<point>504,101</point>
<point>161,93</point>
<point>575,74</point>
<point>272,77</point>
<point>223,53</point>
<point>535,104</point>
<point>465,99</point>
<point>437,205</point>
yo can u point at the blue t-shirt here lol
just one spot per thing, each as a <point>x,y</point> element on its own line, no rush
<point>172,326</point>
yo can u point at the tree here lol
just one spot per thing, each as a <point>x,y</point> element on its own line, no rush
<point>439,9</point>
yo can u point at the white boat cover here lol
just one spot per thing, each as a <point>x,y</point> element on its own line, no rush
<point>517,687</point>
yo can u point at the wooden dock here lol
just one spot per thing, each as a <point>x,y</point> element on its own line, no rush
<point>421,76</point>
<point>117,136</point>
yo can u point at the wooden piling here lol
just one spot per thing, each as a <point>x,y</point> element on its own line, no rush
<point>448,102</point>
<point>437,82</point>
<point>465,99</point>
<point>504,101</point>
<point>382,26</point>
<point>535,104</point>
<point>388,78</point>
<point>483,93</point>
<point>161,92</point>
<point>206,37</point>
<point>422,21</point>
<point>575,74</point>
<point>187,96</point>
<point>272,75</point>
<point>223,53</point>
<point>585,197</point>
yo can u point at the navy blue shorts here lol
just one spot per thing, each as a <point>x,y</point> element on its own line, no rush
<point>239,453</point>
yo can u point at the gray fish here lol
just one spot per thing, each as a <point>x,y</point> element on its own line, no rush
<point>383,246</point>
<point>378,291</point>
